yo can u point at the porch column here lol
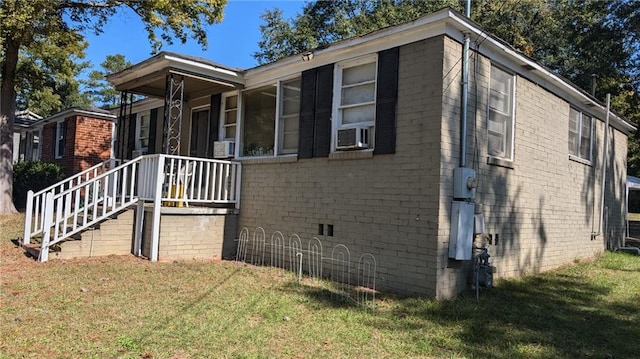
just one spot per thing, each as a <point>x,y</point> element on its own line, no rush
<point>173,113</point>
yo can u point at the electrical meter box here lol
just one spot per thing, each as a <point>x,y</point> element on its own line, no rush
<point>461,237</point>
<point>464,183</point>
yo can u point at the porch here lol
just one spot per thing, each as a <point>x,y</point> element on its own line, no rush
<point>179,205</point>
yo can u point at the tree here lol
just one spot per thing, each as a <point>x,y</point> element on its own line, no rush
<point>575,38</point>
<point>46,75</point>
<point>27,24</point>
<point>100,90</point>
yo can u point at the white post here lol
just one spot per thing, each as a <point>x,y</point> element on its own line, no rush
<point>137,246</point>
<point>26,237</point>
<point>157,202</point>
<point>46,234</point>
<point>238,184</point>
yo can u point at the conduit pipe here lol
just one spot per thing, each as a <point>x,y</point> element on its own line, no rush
<point>604,167</point>
<point>465,93</point>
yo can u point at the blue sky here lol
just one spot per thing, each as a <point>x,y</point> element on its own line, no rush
<point>231,42</point>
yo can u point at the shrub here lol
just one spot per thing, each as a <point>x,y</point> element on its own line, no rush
<point>33,175</point>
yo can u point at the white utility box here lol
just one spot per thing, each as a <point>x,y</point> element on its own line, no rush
<point>461,237</point>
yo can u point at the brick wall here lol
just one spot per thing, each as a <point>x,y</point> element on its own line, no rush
<point>386,205</point>
<point>88,142</point>
<point>543,208</point>
<point>92,142</point>
<point>192,236</point>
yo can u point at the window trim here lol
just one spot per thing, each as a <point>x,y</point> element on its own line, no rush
<point>138,139</point>
<point>336,113</point>
<point>61,126</point>
<point>578,156</point>
<point>510,156</point>
<point>279,136</point>
<point>223,110</point>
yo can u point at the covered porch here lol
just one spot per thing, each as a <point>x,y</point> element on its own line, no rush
<point>163,171</point>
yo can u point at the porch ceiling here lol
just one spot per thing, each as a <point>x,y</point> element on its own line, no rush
<point>201,77</point>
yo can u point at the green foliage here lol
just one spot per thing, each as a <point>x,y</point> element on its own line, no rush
<point>99,89</point>
<point>41,47</point>
<point>35,176</point>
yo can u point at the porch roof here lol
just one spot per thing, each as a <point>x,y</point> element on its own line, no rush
<point>201,77</point>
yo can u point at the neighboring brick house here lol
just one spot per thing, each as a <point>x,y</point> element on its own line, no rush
<point>76,138</point>
<point>364,137</point>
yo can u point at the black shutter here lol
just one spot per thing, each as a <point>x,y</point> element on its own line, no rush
<point>307,113</point>
<point>153,127</point>
<point>324,97</point>
<point>386,101</point>
<point>131,142</point>
<point>214,122</point>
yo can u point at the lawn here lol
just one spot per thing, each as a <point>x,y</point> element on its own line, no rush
<point>124,307</point>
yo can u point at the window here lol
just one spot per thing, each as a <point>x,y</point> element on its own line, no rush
<point>35,146</point>
<point>580,133</point>
<point>259,115</point>
<point>230,117</point>
<point>289,119</point>
<point>355,89</point>
<point>501,109</point>
<point>61,134</point>
<point>142,131</point>
<point>199,132</point>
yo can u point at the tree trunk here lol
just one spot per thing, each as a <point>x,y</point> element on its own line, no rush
<point>7,117</point>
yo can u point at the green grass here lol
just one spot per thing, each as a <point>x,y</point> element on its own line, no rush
<point>123,307</point>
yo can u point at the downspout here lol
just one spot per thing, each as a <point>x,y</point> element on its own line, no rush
<point>604,168</point>
<point>465,91</point>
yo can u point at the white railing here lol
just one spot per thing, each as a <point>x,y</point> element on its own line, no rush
<point>189,180</point>
<point>36,202</point>
<point>163,179</point>
<point>88,203</point>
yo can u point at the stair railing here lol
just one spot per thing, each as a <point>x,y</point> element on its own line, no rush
<point>77,208</point>
<point>36,202</point>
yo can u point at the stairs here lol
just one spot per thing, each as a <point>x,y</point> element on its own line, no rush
<point>113,236</point>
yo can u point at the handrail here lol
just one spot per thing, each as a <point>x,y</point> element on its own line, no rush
<point>163,179</point>
<point>35,209</point>
<point>81,206</point>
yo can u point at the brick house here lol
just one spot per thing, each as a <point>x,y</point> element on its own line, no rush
<point>377,143</point>
<point>76,138</point>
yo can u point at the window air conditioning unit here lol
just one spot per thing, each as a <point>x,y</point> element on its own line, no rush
<point>137,153</point>
<point>224,149</point>
<point>354,138</point>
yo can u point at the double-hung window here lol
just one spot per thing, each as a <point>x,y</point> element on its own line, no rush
<point>580,134</point>
<point>61,135</point>
<point>501,111</point>
<point>143,124</point>
<point>229,117</point>
<point>289,116</point>
<point>355,96</point>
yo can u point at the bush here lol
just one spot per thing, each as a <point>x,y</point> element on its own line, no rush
<point>33,175</point>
